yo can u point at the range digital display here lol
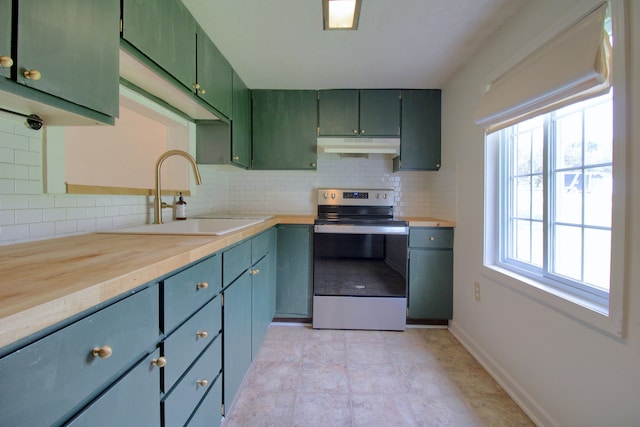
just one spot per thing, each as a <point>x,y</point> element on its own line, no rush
<point>355,195</point>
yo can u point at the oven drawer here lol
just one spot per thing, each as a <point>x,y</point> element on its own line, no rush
<point>431,237</point>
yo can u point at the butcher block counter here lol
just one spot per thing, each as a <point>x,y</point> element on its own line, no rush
<point>428,222</point>
<point>45,282</point>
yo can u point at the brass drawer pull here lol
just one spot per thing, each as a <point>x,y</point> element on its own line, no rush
<point>160,362</point>
<point>202,285</point>
<point>6,61</point>
<point>203,382</point>
<point>432,238</point>
<point>102,352</point>
<point>32,75</point>
<point>202,334</point>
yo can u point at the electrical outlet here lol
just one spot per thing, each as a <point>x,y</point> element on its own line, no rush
<point>476,289</point>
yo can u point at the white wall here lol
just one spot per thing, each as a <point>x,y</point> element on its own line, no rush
<point>561,370</point>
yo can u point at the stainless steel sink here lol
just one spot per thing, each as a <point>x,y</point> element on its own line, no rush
<point>191,227</point>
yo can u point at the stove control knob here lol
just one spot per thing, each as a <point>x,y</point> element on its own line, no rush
<point>384,196</point>
<point>333,195</point>
<point>325,195</point>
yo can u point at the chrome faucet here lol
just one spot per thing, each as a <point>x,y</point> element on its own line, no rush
<point>158,204</point>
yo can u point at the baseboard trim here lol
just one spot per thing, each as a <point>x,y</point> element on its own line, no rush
<point>533,410</point>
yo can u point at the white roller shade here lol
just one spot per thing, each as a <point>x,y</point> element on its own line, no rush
<point>571,67</point>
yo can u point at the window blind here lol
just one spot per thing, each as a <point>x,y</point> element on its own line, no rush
<point>574,65</point>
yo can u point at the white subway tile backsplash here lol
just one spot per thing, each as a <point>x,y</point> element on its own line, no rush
<point>28,216</point>
<point>28,187</point>
<point>14,233</point>
<point>28,158</point>
<point>42,229</point>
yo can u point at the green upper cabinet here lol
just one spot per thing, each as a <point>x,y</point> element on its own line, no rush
<point>420,133</point>
<point>214,75</point>
<point>241,123</point>
<point>284,129</point>
<point>165,32</point>
<point>352,112</point>
<point>87,75</point>
<point>5,38</point>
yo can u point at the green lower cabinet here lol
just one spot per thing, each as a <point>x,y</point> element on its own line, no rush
<point>132,401</point>
<point>208,412</point>
<point>237,335</point>
<point>294,274</point>
<point>430,273</point>
<point>262,310</point>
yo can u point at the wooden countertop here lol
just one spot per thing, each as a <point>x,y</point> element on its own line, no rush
<point>44,282</point>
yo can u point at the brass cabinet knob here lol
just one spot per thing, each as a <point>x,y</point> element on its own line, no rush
<point>438,165</point>
<point>202,91</point>
<point>196,86</point>
<point>235,158</point>
<point>313,165</point>
<point>160,362</point>
<point>254,272</point>
<point>355,131</point>
<point>361,131</point>
<point>6,61</point>
<point>102,352</point>
<point>202,334</point>
<point>432,238</point>
<point>202,285</point>
<point>203,382</point>
<point>32,75</point>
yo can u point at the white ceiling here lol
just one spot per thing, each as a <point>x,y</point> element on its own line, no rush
<point>280,44</point>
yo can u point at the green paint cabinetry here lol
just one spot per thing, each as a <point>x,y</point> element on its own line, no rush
<point>294,276</point>
<point>284,129</point>
<point>420,132</point>
<point>83,77</point>
<point>430,273</point>
<point>165,32</point>
<point>61,373</point>
<point>365,112</point>
<point>241,124</point>
<point>5,37</point>
<point>214,75</point>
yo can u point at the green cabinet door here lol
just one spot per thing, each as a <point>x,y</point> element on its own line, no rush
<point>74,46</point>
<point>236,335</point>
<point>380,112</point>
<point>262,313</point>
<point>338,112</point>
<point>420,131</point>
<point>241,123</point>
<point>352,112</point>
<point>5,34</point>
<point>284,129</point>
<point>431,284</point>
<point>165,32</point>
<point>294,275</point>
<point>214,75</point>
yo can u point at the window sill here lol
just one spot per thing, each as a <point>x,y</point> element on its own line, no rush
<point>579,309</point>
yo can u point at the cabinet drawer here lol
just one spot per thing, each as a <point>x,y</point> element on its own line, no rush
<point>133,400</point>
<point>259,247</point>
<point>59,372</point>
<point>235,261</point>
<point>183,346</point>
<point>189,290</point>
<point>210,408</point>
<point>181,402</point>
<point>431,237</point>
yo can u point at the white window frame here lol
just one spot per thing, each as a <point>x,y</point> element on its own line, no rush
<point>604,315</point>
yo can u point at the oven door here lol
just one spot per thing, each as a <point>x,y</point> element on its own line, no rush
<point>360,277</point>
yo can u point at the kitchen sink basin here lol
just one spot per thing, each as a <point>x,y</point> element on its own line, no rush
<point>191,227</point>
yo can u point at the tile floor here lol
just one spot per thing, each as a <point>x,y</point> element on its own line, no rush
<point>420,377</point>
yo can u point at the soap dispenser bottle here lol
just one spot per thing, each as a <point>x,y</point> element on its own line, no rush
<point>181,208</point>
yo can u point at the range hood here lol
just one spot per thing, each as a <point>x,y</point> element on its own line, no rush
<point>359,147</point>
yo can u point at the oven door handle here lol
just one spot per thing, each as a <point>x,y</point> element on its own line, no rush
<point>359,229</point>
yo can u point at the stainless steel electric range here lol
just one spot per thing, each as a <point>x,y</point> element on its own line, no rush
<point>359,261</point>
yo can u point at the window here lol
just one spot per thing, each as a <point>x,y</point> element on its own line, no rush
<point>556,188</point>
<point>555,177</point>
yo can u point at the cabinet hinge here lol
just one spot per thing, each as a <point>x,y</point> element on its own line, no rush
<point>400,95</point>
<point>408,254</point>
<point>318,130</point>
<point>222,409</point>
<point>407,311</point>
<point>222,300</point>
<point>121,25</point>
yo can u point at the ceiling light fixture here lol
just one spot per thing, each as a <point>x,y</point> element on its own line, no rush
<point>341,14</point>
